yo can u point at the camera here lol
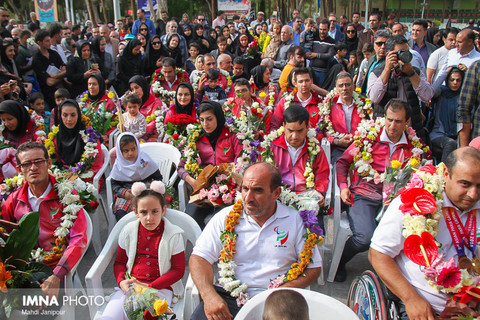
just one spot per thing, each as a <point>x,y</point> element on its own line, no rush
<point>404,55</point>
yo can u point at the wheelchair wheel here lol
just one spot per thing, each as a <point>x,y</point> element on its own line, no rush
<point>367,300</point>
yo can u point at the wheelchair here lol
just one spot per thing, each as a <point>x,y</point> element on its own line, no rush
<point>371,300</point>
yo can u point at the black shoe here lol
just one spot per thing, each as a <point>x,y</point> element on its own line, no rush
<point>341,275</point>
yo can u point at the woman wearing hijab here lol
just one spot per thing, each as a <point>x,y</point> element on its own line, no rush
<point>212,39</point>
<point>68,46</point>
<point>261,78</point>
<point>241,45</point>
<point>69,144</point>
<point>127,170</point>
<point>139,85</point>
<point>153,56</point>
<point>173,50</point>
<point>129,65</point>
<point>9,70</point>
<point>184,103</point>
<point>187,33</point>
<point>104,58</point>
<point>216,145</point>
<point>81,67</point>
<point>351,39</point>
<point>433,36</point>
<point>96,94</point>
<point>200,39</point>
<point>19,127</point>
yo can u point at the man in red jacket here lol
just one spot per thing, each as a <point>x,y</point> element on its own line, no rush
<point>364,195</point>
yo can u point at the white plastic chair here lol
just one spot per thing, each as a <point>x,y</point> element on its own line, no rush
<point>93,279</point>
<point>341,233</point>
<point>182,195</point>
<point>112,138</point>
<point>97,241</point>
<point>73,285</point>
<point>165,155</point>
<point>320,306</point>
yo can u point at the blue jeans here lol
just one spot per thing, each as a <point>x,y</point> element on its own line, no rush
<point>319,77</point>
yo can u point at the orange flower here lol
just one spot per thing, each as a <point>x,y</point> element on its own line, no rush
<point>4,277</point>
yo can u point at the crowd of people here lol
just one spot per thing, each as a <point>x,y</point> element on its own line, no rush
<point>261,94</point>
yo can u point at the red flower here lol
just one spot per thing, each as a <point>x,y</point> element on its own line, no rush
<point>259,115</point>
<point>169,199</point>
<point>175,136</point>
<point>182,119</point>
<point>428,169</point>
<point>417,201</point>
<point>413,251</point>
<point>330,210</point>
<point>219,200</point>
<point>147,315</point>
<point>205,98</point>
<point>93,204</point>
<point>449,277</point>
<point>254,110</point>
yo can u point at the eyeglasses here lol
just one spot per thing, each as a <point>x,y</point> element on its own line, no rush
<point>201,19</point>
<point>350,31</point>
<point>155,43</point>
<point>344,85</point>
<point>380,43</point>
<point>333,20</point>
<point>143,29</point>
<point>28,165</point>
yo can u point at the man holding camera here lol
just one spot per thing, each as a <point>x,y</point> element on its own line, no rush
<point>397,78</point>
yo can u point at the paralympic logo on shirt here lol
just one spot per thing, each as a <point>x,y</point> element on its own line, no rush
<point>282,236</point>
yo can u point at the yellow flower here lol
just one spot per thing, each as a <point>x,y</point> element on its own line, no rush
<point>111,95</point>
<point>396,164</point>
<point>368,101</point>
<point>414,162</point>
<point>358,90</point>
<point>262,94</point>
<point>160,307</point>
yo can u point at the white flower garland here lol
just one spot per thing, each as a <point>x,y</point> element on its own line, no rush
<point>222,72</point>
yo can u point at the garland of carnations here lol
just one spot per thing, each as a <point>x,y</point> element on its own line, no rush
<point>313,150</point>
<point>362,104</point>
<point>40,124</point>
<point>365,136</point>
<point>159,91</point>
<point>190,152</point>
<point>222,72</point>
<point>72,206</point>
<point>307,205</point>
<point>82,168</point>
<point>422,206</point>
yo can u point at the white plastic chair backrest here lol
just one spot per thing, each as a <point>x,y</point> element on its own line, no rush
<point>164,154</point>
<point>191,230</point>
<point>98,175</point>
<point>320,306</point>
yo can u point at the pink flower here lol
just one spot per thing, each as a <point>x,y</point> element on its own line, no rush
<point>449,276</point>
<point>213,194</point>
<point>275,283</point>
<point>227,198</point>
<point>203,193</point>
<point>221,177</point>
<point>415,182</point>
<point>246,145</point>
<point>411,132</point>
<point>223,189</point>
<point>377,178</point>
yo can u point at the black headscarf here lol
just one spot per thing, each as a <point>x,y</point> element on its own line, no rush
<point>147,37</point>
<point>352,43</point>
<point>198,39</point>
<point>236,43</point>
<point>188,108</point>
<point>143,83</point>
<point>218,111</point>
<point>431,32</point>
<point>101,88</point>
<point>70,143</point>
<point>175,53</point>
<point>87,63</point>
<point>7,63</point>
<point>96,47</point>
<point>133,61</point>
<point>151,56</point>
<point>257,74</point>
<point>16,109</point>
<point>187,38</point>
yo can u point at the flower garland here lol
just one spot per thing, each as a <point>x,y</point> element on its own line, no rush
<point>422,204</point>
<point>190,152</point>
<point>365,136</point>
<point>40,124</point>
<point>307,205</point>
<point>159,91</point>
<point>72,205</point>
<point>224,73</point>
<point>313,150</point>
<point>271,93</point>
<point>82,168</point>
<point>362,104</point>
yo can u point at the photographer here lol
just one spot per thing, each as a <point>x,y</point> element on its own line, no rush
<point>397,78</point>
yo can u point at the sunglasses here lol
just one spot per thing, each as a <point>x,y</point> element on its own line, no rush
<point>333,20</point>
<point>201,19</point>
<point>350,31</point>
<point>143,29</point>
<point>156,42</point>
<point>380,43</point>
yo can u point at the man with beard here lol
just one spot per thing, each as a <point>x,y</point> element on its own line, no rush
<point>322,51</point>
<point>296,59</point>
<point>4,19</point>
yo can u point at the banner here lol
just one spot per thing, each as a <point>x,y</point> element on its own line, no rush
<point>233,7</point>
<point>143,4</point>
<point>46,10</point>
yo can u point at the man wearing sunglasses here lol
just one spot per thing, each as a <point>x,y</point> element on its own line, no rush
<point>142,19</point>
<point>378,58</point>
<point>38,193</point>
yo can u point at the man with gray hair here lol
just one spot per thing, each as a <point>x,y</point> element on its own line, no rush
<point>286,35</point>
<point>112,44</point>
<point>275,72</point>
<point>171,29</point>
<point>224,62</point>
<point>397,78</point>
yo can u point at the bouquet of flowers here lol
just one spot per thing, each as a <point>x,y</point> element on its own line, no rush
<point>176,130</point>
<point>142,302</point>
<point>252,50</point>
<point>217,185</point>
<point>16,268</point>
<point>396,178</point>
<point>102,120</point>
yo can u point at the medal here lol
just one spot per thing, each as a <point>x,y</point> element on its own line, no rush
<point>465,263</point>
<point>476,265</point>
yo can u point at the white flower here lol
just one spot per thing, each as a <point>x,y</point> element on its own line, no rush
<point>79,185</point>
<point>91,189</point>
<point>61,232</point>
<point>70,198</point>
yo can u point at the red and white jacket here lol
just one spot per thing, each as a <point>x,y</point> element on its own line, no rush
<point>312,107</point>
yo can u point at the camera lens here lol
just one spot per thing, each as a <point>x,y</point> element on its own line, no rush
<point>404,56</point>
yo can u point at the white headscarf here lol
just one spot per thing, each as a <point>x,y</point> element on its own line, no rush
<point>132,171</point>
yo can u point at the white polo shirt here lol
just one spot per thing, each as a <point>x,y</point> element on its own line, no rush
<point>388,240</point>
<point>263,253</point>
